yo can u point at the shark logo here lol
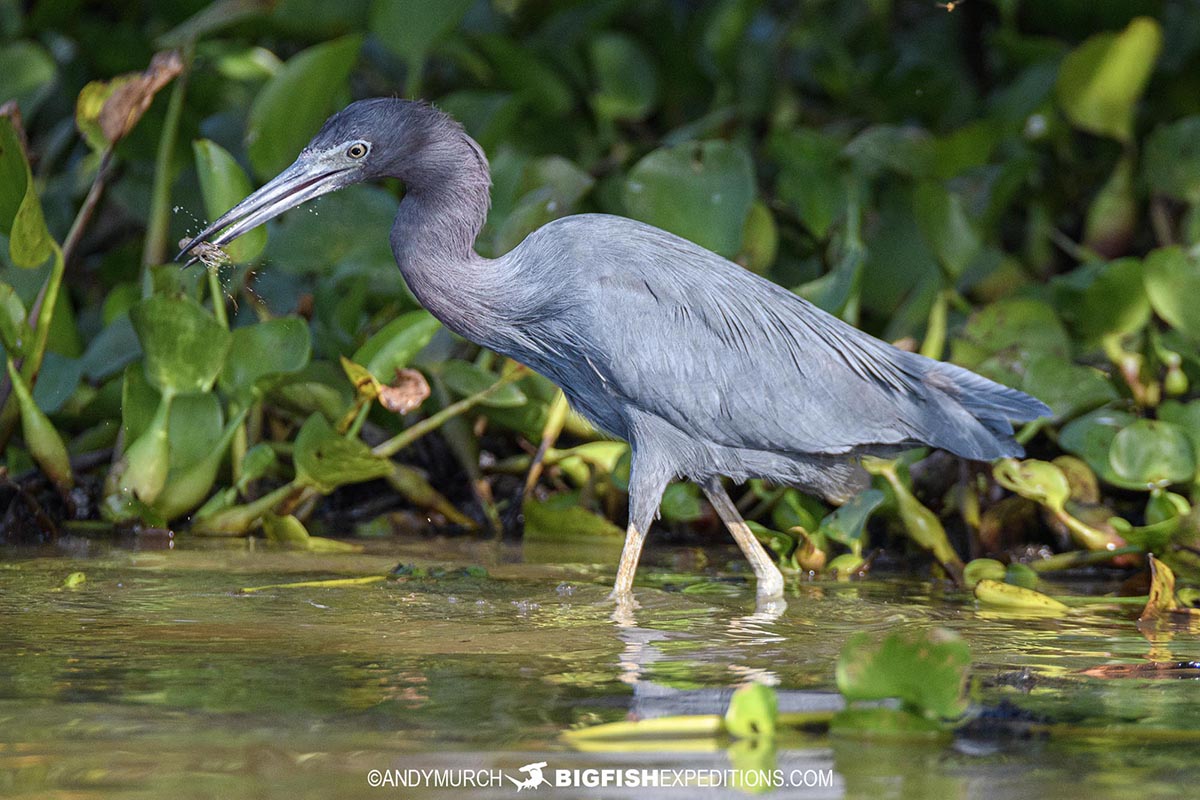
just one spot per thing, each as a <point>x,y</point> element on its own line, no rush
<point>535,777</point>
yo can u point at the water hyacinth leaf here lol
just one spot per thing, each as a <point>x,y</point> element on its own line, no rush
<point>681,503</point>
<point>14,333</point>
<point>1115,302</point>
<point>701,191</point>
<point>1008,332</point>
<point>111,350</point>
<point>43,440</point>
<point>1172,280</point>
<point>944,224</point>
<point>1187,417</point>
<point>753,712</point>
<point>811,176</point>
<point>1091,436</point>
<point>1017,598</point>
<point>979,569</point>
<point>1151,453</point>
<point>560,518</point>
<point>556,186</point>
<point>625,78</point>
<point>223,184</point>
<point>465,379</point>
<point>1066,387</point>
<point>142,469</point>
<point>27,73</point>
<point>185,347</point>
<point>1039,481</point>
<point>139,402</point>
<point>199,442</point>
<point>1171,163</point>
<point>325,460</point>
<point>411,28</point>
<point>58,379</point>
<point>1100,82</point>
<point>395,345</point>
<point>345,232</point>
<point>21,219</point>
<point>1113,213</point>
<point>847,524</point>
<point>926,670</point>
<point>262,352</point>
<point>291,106</point>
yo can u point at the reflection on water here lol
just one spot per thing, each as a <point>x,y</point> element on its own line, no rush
<point>158,678</point>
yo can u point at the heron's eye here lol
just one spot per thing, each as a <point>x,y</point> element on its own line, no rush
<point>356,150</point>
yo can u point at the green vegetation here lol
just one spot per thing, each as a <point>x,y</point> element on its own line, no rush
<point>1012,186</point>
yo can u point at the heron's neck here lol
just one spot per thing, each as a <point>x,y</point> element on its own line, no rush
<point>445,205</point>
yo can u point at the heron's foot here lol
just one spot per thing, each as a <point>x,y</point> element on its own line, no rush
<point>769,608</point>
<point>770,581</point>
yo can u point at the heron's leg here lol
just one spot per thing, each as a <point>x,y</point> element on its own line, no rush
<point>634,539</point>
<point>770,580</point>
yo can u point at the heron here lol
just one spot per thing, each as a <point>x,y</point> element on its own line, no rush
<point>707,370</point>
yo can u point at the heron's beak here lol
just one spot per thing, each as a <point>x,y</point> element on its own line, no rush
<point>297,184</point>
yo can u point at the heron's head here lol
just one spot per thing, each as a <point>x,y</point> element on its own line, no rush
<point>381,137</point>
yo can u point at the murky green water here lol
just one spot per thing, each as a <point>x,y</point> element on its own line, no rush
<point>157,678</point>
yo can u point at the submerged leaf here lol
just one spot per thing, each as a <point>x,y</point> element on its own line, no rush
<point>926,670</point>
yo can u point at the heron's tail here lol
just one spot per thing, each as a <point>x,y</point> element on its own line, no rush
<point>979,412</point>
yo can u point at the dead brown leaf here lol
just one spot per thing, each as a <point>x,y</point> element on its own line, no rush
<point>406,393</point>
<point>129,101</point>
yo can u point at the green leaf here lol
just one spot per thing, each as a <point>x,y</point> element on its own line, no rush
<point>1187,417</point>
<point>43,440</point>
<point>701,191</point>
<point>198,443</point>
<point>1152,453</point>
<point>263,352</point>
<point>926,670</point>
<point>27,74</point>
<point>944,224</point>
<point>1171,164</point>
<point>1039,481</point>
<point>290,108</point>
<point>1091,436</point>
<point>326,460</point>
<point>625,78</point>
<point>142,470</point>
<point>1113,213</point>
<point>562,518</point>
<point>410,29</point>
<point>395,345</point>
<point>465,379</point>
<point>1100,82</point>
<point>29,241</point>
<point>1000,338</point>
<point>1017,598</point>
<point>753,712</point>
<point>1172,279</point>
<point>847,524</point>
<point>811,177</point>
<point>15,335</point>
<point>1115,302</point>
<point>185,348</point>
<point>224,185</point>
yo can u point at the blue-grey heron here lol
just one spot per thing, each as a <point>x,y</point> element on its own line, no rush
<point>706,369</point>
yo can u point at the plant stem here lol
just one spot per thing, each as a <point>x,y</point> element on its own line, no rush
<point>154,251</point>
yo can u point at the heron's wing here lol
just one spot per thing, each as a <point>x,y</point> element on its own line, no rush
<point>722,354</point>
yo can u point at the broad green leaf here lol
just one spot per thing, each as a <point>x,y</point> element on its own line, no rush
<point>1152,453</point>
<point>1008,332</point>
<point>909,151</point>
<point>29,241</point>
<point>1172,279</point>
<point>395,345</point>
<point>1171,164</point>
<point>224,185</point>
<point>1017,598</point>
<point>753,712</point>
<point>410,29</point>
<point>290,108</point>
<point>1115,302</point>
<point>465,379</point>
<point>1100,82</point>
<point>184,346</point>
<point>681,503</point>
<point>1090,438</point>
<point>625,78</point>
<point>701,191</point>
<point>1112,216</point>
<point>561,518</point>
<point>27,74</point>
<point>350,231</point>
<point>944,224</point>
<point>848,523</point>
<point>43,440</point>
<point>555,187</point>
<point>925,669</point>
<point>1068,388</point>
<point>1187,417</point>
<point>111,350</point>
<point>198,446</point>
<point>263,351</point>
<point>57,381</point>
<point>811,177</point>
<point>534,80</point>
<point>326,460</point>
